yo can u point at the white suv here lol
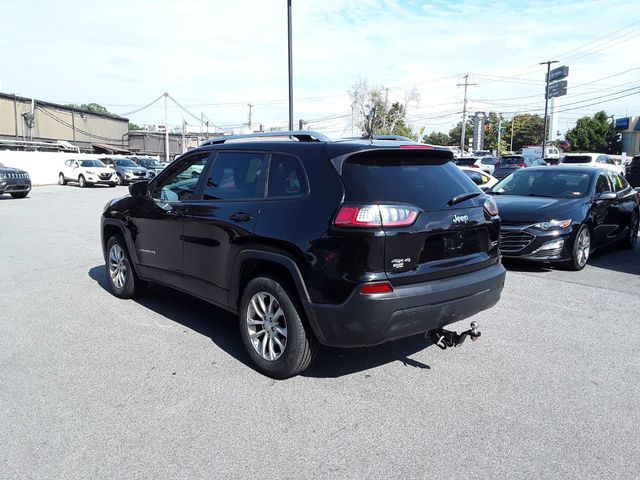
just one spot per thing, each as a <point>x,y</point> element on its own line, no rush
<point>595,159</point>
<point>87,172</point>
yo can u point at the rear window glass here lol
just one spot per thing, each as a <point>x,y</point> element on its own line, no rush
<point>420,182</point>
<point>577,159</point>
<point>510,160</point>
<point>465,162</point>
<point>489,161</point>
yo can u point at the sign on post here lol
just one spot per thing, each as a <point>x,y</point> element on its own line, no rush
<point>558,73</point>
<point>558,89</point>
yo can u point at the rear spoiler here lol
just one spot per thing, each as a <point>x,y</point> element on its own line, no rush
<point>422,155</point>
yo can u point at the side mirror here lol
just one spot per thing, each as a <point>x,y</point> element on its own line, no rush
<point>606,196</point>
<point>139,189</point>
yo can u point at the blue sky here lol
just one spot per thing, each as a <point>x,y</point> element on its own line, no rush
<point>216,57</point>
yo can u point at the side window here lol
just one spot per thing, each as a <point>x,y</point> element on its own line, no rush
<point>617,182</point>
<point>181,180</point>
<point>236,176</point>
<point>611,162</point>
<point>602,184</point>
<point>286,177</point>
<point>476,177</point>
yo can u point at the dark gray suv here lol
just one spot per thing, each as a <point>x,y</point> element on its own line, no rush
<point>14,181</point>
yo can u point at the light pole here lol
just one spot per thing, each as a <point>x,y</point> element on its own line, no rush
<point>546,103</point>
<point>290,67</point>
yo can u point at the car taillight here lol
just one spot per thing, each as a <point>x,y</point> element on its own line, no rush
<point>522,165</point>
<point>376,216</point>
<point>474,166</point>
<point>490,207</point>
<point>373,288</point>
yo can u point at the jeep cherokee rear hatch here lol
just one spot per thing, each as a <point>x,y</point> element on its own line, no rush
<point>436,222</point>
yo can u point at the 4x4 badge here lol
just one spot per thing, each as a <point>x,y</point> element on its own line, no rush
<point>460,218</point>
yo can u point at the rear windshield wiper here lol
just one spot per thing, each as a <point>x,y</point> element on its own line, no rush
<point>462,197</point>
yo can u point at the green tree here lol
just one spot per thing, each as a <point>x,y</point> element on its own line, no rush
<point>594,134</point>
<point>133,127</point>
<point>456,132</point>
<point>91,107</point>
<point>437,138</point>
<point>527,130</point>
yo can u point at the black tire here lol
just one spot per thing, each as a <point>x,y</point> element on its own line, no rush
<point>132,286</point>
<point>61,179</point>
<point>113,185</point>
<point>120,180</point>
<point>629,242</point>
<point>577,262</point>
<point>19,194</point>
<point>300,346</point>
<point>81,181</point>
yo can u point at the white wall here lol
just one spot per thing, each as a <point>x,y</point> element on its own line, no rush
<point>43,167</point>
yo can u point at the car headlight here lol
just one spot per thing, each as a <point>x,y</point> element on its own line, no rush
<point>128,172</point>
<point>2,176</point>
<point>553,224</point>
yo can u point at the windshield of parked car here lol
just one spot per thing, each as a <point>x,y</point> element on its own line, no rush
<point>510,160</point>
<point>489,161</point>
<point>544,183</point>
<point>125,163</point>
<point>466,161</point>
<point>91,163</point>
<point>577,159</point>
<point>149,163</point>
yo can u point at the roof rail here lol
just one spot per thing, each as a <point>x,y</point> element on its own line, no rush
<point>300,135</point>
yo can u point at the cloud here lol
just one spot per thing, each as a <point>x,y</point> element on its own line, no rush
<point>203,53</point>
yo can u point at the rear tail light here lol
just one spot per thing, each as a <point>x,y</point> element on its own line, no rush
<point>490,207</point>
<point>373,288</point>
<point>522,164</point>
<point>376,216</point>
<point>474,166</point>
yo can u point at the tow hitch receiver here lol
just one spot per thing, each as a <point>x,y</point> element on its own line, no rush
<point>446,338</point>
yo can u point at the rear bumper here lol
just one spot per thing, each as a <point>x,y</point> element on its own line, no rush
<point>411,309</point>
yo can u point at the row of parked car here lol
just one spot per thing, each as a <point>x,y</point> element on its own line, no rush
<point>500,167</point>
<point>109,171</point>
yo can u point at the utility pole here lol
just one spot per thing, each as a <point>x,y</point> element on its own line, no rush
<point>512,120</point>
<point>499,133</point>
<point>250,108</point>
<point>201,126</point>
<point>184,127</point>
<point>546,103</point>
<point>290,66</point>
<point>166,129</point>
<point>464,110</point>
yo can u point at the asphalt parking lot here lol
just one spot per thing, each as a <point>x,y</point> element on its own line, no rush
<point>96,387</point>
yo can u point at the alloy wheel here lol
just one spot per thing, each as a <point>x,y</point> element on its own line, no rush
<point>267,326</point>
<point>117,266</point>
<point>583,247</point>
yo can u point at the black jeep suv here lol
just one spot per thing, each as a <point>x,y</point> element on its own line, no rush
<point>347,243</point>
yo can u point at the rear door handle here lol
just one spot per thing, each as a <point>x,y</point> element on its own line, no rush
<point>241,217</point>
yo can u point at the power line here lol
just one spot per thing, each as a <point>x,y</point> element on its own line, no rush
<point>142,108</point>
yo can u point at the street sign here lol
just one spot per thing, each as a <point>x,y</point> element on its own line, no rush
<point>622,123</point>
<point>558,89</point>
<point>558,73</point>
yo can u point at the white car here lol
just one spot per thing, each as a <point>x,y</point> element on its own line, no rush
<point>594,159</point>
<point>87,172</point>
<point>482,179</point>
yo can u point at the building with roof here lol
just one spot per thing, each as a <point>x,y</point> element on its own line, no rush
<point>29,124</point>
<point>629,128</point>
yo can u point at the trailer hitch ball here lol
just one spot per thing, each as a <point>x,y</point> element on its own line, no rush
<point>474,333</point>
